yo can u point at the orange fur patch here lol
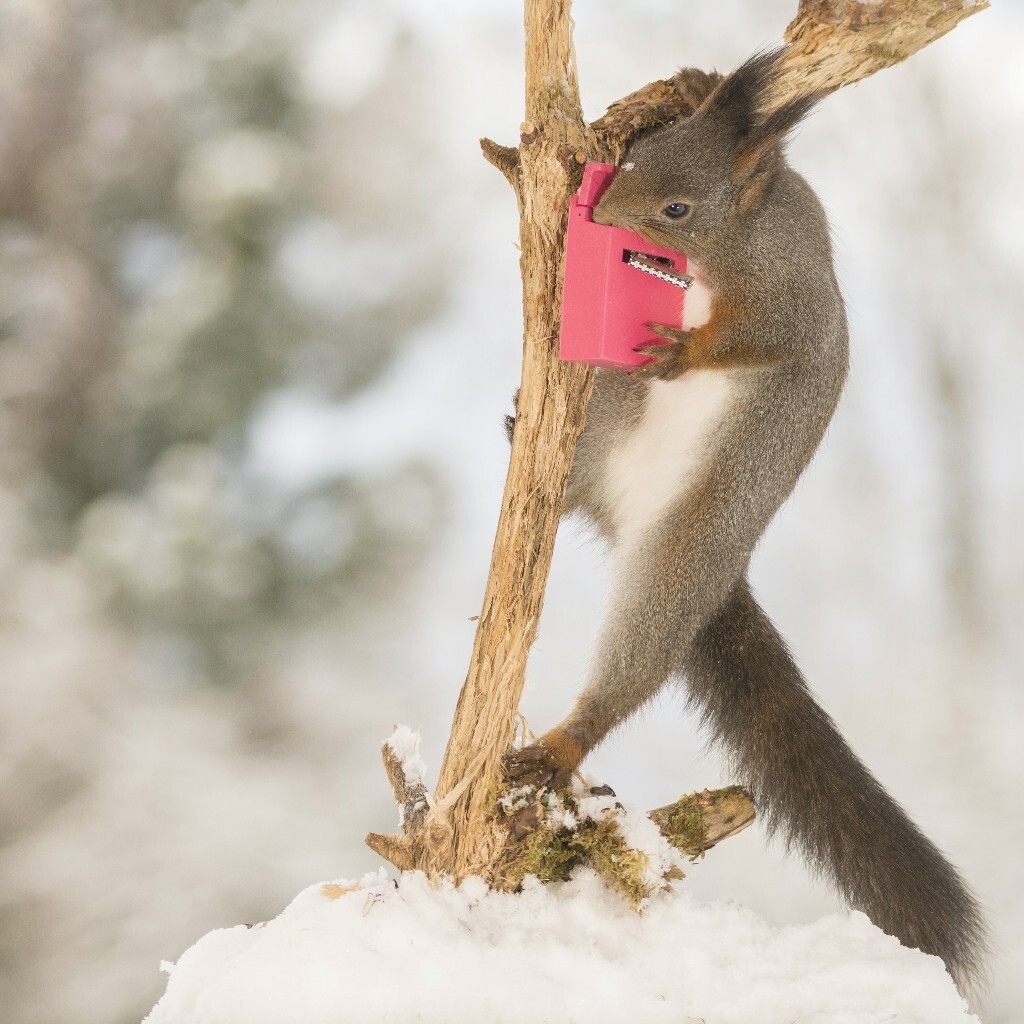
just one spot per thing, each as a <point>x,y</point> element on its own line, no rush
<point>566,752</point>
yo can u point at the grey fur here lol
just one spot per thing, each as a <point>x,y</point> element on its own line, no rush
<point>682,604</point>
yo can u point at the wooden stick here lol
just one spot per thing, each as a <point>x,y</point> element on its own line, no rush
<point>552,403</point>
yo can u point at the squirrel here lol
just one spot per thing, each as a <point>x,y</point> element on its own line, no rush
<point>681,467</point>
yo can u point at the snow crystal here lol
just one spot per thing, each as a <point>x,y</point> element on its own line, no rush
<point>370,951</point>
<point>516,798</point>
<point>557,814</point>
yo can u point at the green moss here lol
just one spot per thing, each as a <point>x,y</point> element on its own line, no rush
<point>551,852</point>
<point>546,848</point>
<point>685,830</point>
<point>624,868</point>
<point>685,824</point>
<point>888,55</point>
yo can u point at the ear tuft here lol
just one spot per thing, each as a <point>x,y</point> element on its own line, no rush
<point>738,96</point>
<point>772,129</point>
<point>738,101</point>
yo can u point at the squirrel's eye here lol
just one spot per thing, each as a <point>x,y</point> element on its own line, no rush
<point>676,210</point>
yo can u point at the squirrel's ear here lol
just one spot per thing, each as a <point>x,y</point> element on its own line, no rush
<point>737,97</point>
<point>737,104</point>
<point>762,140</point>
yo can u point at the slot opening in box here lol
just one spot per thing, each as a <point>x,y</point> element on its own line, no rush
<point>630,254</point>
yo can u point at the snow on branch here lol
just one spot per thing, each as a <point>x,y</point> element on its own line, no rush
<point>549,835</point>
<point>405,770</point>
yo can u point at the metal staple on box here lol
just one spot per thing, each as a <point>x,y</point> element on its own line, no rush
<point>649,266</point>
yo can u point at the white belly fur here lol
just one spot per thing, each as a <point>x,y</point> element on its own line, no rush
<point>697,304</point>
<point>657,461</point>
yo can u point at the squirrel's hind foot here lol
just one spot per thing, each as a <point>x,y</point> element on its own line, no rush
<point>550,761</point>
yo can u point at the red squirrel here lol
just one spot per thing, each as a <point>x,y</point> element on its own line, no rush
<point>681,467</point>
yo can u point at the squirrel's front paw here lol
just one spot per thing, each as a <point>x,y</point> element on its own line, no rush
<point>669,358</point>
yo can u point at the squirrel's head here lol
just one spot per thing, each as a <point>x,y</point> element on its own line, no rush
<point>689,186</point>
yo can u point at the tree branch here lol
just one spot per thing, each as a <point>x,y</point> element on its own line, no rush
<point>832,43</point>
<point>552,405</point>
<point>505,158</point>
<point>696,823</point>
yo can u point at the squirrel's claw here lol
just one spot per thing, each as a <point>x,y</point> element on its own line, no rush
<point>666,331</point>
<point>668,358</point>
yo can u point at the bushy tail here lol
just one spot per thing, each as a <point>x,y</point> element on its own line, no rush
<point>810,787</point>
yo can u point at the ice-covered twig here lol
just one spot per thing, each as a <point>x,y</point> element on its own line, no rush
<point>405,768</point>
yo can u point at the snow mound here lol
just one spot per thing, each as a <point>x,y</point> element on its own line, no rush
<point>372,951</point>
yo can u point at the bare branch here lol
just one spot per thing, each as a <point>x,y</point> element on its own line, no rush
<point>505,158</point>
<point>396,849</point>
<point>660,103</point>
<point>552,404</point>
<point>696,823</point>
<point>833,43</point>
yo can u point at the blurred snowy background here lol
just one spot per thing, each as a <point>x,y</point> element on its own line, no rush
<point>258,327</point>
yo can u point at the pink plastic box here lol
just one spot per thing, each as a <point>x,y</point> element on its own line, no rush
<point>615,284</point>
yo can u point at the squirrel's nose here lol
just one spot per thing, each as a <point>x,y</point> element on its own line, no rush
<point>601,216</point>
